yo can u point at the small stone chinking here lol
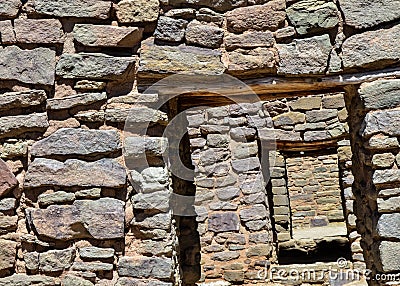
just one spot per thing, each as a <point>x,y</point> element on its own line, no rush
<point>72,71</point>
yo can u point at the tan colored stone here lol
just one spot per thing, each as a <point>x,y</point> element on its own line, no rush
<point>137,11</point>
<point>306,103</point>
<point>289,118</point>
<point>107,36</point>
<point>259,60</point>
<point>8,251</point>
<point>251,39</point>
<point>164,60</point>
<point>385,160</point>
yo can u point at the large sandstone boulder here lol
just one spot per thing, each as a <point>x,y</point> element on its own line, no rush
<point>99,219</point>
<point>75,141</point>
<point>362,14</point>
<point>93,66</point>
<point>38,31</point>
<point>382,121</point>
<point>75,173</point>
<point>28,66</point>
<point>388,226</point>
<point>380,94</point>
<point>75,8</point>
<point>56,260</point>
<point>164,60</point>
<point>204,35</point>
<point>72,101</point>
<point>304,56</point>
<point>372,49</point>
<point>256,61</point>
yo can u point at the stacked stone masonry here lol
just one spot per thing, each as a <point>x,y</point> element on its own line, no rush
<point>79,207</point>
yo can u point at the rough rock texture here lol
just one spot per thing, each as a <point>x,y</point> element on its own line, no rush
<point>32,31</point>
<point>311,16</point>
<point>223,222</point>
<point>80,9</point>
<point>204,35</point>
<point>132,11</point>
<point>389,252</point>
<point>82,219</point>
<point>11,100</point>
<point>27,280</point>
<point>383,120</point>
<point>362,14</point>
<point>249,40</point>
<point>9,8</point>
<point>19,124</point>
<point>8,251</point>
<point>93,66</point>
<point>170,29</point>
<point>264,17</point>
<point>96,253</point>
<point>7,179</point>
<point>28,66</point>
<point>71,280</point>
<point>262,60</point>
<point>75,100</point>
<point>182,59</point>
<point>380,94</point>
<point>372,49</point>
<point>145,267</point>
<point>107,36</point>
<point>72,142</point>
<point>7,35</point>
<point>72,172</point>
<point>56,260</point>
<point>389,226</point>
<point>306,56</point>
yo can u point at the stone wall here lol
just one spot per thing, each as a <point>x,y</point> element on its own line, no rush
<point>75,211</point>
<point>314,191</point>
<point>375,188</point>
<point>232,206</point>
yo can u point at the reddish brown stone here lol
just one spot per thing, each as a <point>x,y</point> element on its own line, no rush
<point>7,179</point>
<point>43,31</point>
<point>259,17</point>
